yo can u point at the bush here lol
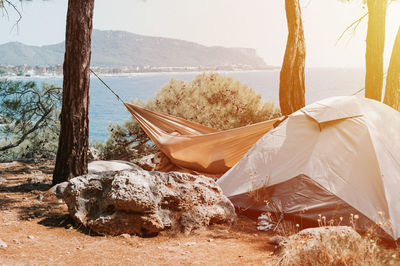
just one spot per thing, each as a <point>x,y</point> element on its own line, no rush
<point>210,99</point>
<point>30,120</point>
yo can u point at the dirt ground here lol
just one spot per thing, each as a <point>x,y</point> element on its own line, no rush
<point>36,229</point>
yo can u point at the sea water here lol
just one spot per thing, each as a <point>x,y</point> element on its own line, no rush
<point>105,108</point>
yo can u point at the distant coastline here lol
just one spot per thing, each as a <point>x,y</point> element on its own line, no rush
<point>171,70</point>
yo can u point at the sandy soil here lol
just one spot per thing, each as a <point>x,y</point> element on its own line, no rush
<point>37,229</point>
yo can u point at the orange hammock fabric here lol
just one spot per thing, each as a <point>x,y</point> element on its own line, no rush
<point>196,147</point>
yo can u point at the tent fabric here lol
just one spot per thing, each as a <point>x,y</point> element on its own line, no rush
<point>349,146</point>
<point>193,146</point>
<point>294,196</point>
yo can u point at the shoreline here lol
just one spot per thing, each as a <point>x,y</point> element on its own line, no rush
<point>150,73</point>
<point>134,74</point>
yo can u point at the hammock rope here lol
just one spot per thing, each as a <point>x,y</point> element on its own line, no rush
<point>116,95</point>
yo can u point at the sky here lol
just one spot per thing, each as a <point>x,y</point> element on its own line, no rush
<point>258,24</point>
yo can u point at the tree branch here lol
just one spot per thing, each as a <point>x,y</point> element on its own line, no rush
<point>35,127</point>
<point>15,9</point>
<point>356,23</point>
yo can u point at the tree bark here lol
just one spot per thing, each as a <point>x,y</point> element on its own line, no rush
<point>374,51</point>
<point>71,158</point>
<point>392,90</point>
<point>291,86</point>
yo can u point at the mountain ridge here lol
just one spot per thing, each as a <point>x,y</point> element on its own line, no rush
<point>121,48</point>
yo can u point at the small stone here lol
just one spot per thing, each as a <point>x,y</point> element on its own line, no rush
<point>36,172</point>
<point>2,179</point>
<point>16,241</point>
<point>126,235</point>
<point>36,202</point>
<point>190,243</point>
<point>40,197</point>
<point>3,244</point>
<point>31,237</point>
<point>210,240</point>
<point>7,196</point>
<point>36,179</point>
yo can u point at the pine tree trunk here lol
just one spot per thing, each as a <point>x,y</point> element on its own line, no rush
<point>392,90</point>
<point>291,86</point>
<point>374,51</point>
<point>71,158</point>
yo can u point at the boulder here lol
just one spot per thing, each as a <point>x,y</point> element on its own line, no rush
<point>58,189</point>
<point>158,162</point>
<point>139,202</point>
<point>113,165</point>
<point>147,162</point>
<point>313,238</point>
<point>95,167</point>
<point>93,154</point>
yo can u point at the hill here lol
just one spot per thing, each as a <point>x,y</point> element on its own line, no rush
<point>120,48</point>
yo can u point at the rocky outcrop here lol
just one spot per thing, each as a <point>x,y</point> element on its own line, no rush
<point>139,202</point>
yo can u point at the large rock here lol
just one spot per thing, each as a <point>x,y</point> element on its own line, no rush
<point>113,165</point>
<point>94,154</point>
<point>156,162</point>
<point>59,189</point>
<point>314,238</point>
<point>139,202</point>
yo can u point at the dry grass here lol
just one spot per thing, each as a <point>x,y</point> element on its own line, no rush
<point>328,248</point>
<point>334,249</point>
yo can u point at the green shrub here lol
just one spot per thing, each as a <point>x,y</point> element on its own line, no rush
<point>30,120</point>
<point>210,99</point>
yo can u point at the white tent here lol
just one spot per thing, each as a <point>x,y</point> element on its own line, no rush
<point>334,157</point>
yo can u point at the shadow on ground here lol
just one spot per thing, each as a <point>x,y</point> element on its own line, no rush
<point>26,187</point>
<point>6,203</point>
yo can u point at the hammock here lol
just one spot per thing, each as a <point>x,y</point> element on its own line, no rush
<point>196,147</point>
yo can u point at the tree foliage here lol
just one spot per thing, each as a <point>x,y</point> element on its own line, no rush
<point>30,118</point>
<point>210,99</point>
